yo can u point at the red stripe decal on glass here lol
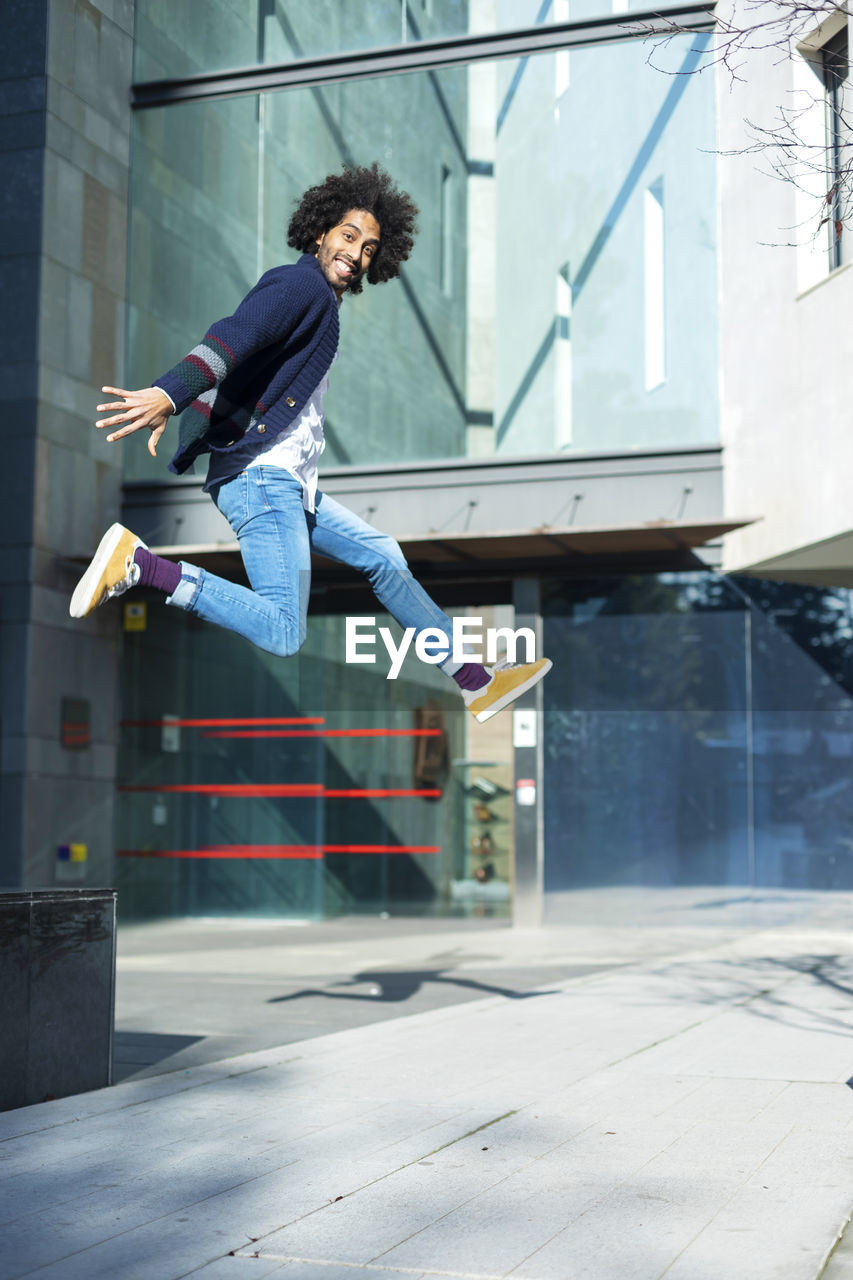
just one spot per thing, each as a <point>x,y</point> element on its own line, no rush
<point>324,733</point>
<point>279,789</point>
<point>312,851</point>
<point>379,793</point>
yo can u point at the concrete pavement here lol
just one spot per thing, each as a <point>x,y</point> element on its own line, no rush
<point>195,991</point>
<point>678,1108</point>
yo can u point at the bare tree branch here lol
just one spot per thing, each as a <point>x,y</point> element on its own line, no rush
<point>789,150</point>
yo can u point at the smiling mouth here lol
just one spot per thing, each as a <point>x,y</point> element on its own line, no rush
<point>344,268</point>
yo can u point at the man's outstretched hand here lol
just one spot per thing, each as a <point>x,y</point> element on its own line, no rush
<point>149,408</point>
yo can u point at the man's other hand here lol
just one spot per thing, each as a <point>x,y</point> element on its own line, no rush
<point>149,407</point>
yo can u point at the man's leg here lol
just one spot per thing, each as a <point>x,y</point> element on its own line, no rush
<point>269,520</point>
<point>338,533</point>
<point>263,505</point>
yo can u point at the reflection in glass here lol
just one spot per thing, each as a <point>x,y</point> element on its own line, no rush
<point>699,731</point>
<point>175,40</point>
<point>296,790</point>
<point>475,351</point>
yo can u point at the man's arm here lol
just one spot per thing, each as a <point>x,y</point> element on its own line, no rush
<point>227,342</point>
<point>149,407</point>
<point>268,314</point>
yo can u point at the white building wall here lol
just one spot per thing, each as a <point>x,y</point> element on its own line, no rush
<point>786,351</point>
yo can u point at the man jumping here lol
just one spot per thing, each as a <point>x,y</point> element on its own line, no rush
<point>251,395</point>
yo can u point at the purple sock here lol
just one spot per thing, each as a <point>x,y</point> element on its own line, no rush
<point>154,571</point>
<point>471,676</point>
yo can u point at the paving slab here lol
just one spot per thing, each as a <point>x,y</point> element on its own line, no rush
<point>685,1115</point>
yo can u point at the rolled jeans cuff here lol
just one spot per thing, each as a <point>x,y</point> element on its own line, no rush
<point>185,592</point>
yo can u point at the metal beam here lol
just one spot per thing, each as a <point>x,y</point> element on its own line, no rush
<point>528,760</point>
<point>423,56</point>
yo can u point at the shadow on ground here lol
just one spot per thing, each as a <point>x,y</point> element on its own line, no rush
<point>135,1050</point>
<point>769,989</point>
<point>396,985</point>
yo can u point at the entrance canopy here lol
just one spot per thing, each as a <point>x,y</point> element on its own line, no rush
<point>475,556</point>
<point>487,520</point>
<point>555,548</point>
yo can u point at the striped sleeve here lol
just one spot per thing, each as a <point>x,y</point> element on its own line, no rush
<point>268,314</point>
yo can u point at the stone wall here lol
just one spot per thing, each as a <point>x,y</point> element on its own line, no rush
<point>66,69</point>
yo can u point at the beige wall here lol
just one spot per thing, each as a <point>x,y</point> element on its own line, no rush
<point>786,348</point>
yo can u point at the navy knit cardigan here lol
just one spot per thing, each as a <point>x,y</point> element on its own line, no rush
<point>253,372</point>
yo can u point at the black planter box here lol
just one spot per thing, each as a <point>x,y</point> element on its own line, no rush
<point>57,993</point>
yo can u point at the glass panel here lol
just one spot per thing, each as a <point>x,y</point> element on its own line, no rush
<point>645,734</point>
<point>520,323</point>
<point>698,731</point>
<point>803,734</point>
<point>589,225</point>
<point>298,789</point>
<point>174,40</point>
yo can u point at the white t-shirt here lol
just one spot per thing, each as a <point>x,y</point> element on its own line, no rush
<point>297,448</point>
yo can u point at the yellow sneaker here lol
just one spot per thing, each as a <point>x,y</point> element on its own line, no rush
<point>112,571</point>
<point>509,680</point>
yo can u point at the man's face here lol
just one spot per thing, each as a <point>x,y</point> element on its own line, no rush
<point>345,252</point>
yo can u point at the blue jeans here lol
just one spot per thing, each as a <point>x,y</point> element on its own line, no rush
<point>264,507</point>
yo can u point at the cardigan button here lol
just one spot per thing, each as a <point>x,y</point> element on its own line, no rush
<point>261,429</point>
<point>290,401</point>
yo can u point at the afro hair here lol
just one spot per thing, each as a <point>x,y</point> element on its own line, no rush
<point>322,207</point>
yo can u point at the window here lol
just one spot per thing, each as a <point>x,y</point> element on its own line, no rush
<point>481,346</point>
<point>835,67</point>
<point>563,361</point>
<point>655,326</point>
<point>445,266</point>
<point>818,163</point>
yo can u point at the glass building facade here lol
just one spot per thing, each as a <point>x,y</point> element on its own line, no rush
<point>544,308</point>
<point>561,301</point>
<point>699,732</point>
<point>302,787</point>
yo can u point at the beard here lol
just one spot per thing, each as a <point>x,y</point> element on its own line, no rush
<point>335,267</point>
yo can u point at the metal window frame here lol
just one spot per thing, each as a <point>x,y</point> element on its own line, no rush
<point>427,55</point>
<point>831,54</point>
